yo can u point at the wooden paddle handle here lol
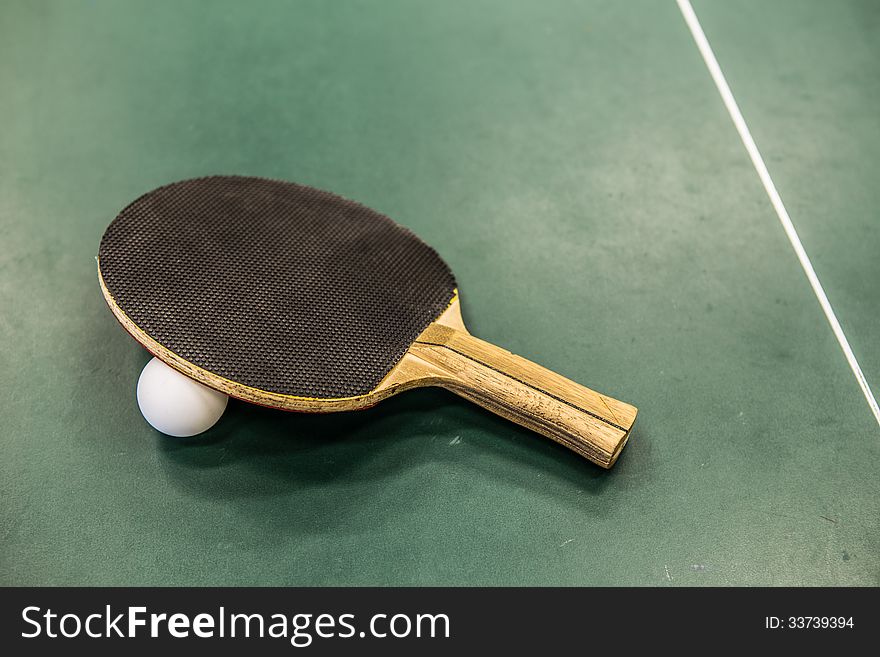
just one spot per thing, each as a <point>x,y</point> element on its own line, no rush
<point>591,424</point>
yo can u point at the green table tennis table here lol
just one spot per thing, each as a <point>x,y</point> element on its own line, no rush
<point>577,167</point>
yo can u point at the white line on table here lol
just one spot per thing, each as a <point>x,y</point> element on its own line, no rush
<point>733,109</point>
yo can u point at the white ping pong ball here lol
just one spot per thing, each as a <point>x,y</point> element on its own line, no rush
<point>175,404</point>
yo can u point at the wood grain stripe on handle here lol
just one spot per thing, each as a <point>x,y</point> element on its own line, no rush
<point>589,423</point>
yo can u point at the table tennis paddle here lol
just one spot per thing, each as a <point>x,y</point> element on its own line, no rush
<point>295,298</point>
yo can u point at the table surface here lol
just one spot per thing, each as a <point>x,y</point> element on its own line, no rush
<point>574,164</point>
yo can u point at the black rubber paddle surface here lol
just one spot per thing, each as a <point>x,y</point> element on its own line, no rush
<point>274,285</point>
